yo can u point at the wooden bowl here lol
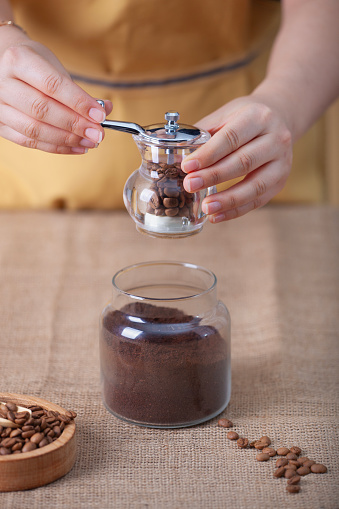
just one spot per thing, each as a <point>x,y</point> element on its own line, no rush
<point>41,466</point>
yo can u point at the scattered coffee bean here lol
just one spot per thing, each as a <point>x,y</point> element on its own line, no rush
<point>294,480</point>
<point>308,463</point>
<point>282,451</point>
<point>252,444</point>
<point>232,435</point>
<point>291,466</point>
<point>293,488</point>
<point>280,472</point>
<point>270,451</point>
<point>281,462</point>
<point>295,450</point>
<point>289,472</point>
<point>242,443</point>
<point>263,457</point>
<point>225,423</point>
<point>303,459</point>
<point>291,456</point>
<point>295,463</point>
<point>318,468</point>
<point>260,445</point>
<point>304,471</point>
<point>265,440</point>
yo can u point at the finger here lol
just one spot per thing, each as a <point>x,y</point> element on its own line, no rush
<point>239,128</point>
<point>251,189</point>
<point>244,209</point>
<point>29,67</point>
<point>40,131</point>
<point>18,138</point>
<point>249,157</point>
<point>38,106</point>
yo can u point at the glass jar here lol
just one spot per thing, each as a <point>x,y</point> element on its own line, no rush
<point>165,346</point>
<point>154,194</point>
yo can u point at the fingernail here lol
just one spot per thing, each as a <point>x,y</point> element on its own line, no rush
<point>212,207</point>
<point>97,115</point>
<point>93,134</point>
<point>194,184</point>
<point>190,165</point>
<point>87,143</point>
<point>218,218</point>
<point>78,150</point>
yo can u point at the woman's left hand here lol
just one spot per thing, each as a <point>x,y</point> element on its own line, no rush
<point>250,140</point>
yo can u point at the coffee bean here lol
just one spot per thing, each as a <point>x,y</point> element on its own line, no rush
<point>17,447</point>
<point>308,463</point>
<point>303,471</point>
<point>11,406</point>
<point>265,440</point>
<point>289,472</point>
<point>36,439</point>
<point>10,416</point>
<point>28,434</point>
<point>262,457</point>
<point>172,212</point>
<point>294,480</point>
<point>20,422</point>
<point>295,450</point>
<point>252,444</point>
<point>232,435</point>
<point>293,489</point>
<point>302,459</point>
<point>260,445</point>
<point>282,462</point>
<point>282,451</point>
<point>170,202</point>
<point>295,463</point>
<point>280,472</point>
<point>22,415</point>
<point>4,451</point>
<point>270,451</point>
<point>225,423</point>
<point>291,456</point>
<point>15,433</point>
<point>43,442</point>
<point>29,446</point>
<point>242,443</point>
<point>27,428</point>
<point>171,192</point>
<point>57,431</point>
<point>318,468</point>
<point>291,466</point>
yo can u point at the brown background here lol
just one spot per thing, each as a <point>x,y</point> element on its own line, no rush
<point>278,274</point>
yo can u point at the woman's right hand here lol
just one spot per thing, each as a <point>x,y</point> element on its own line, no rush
<point>40,106</point>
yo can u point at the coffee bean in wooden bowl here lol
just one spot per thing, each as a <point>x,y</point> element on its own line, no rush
<point>30,458</point>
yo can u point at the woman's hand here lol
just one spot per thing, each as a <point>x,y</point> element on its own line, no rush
<point>250,140</point>
<point>40,106</point>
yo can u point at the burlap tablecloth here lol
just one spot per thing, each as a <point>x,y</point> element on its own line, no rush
<point>278,274</point>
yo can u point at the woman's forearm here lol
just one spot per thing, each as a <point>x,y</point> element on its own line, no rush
<point>303,73</point>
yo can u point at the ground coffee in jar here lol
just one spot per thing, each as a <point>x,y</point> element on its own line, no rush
<point>163,367</point>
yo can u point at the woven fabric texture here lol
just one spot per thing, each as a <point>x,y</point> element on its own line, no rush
<point>278,274</point>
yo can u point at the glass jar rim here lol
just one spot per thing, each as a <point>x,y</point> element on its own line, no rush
<point>165,262</point>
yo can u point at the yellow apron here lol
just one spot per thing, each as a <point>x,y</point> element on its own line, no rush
<point>147,57</point>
